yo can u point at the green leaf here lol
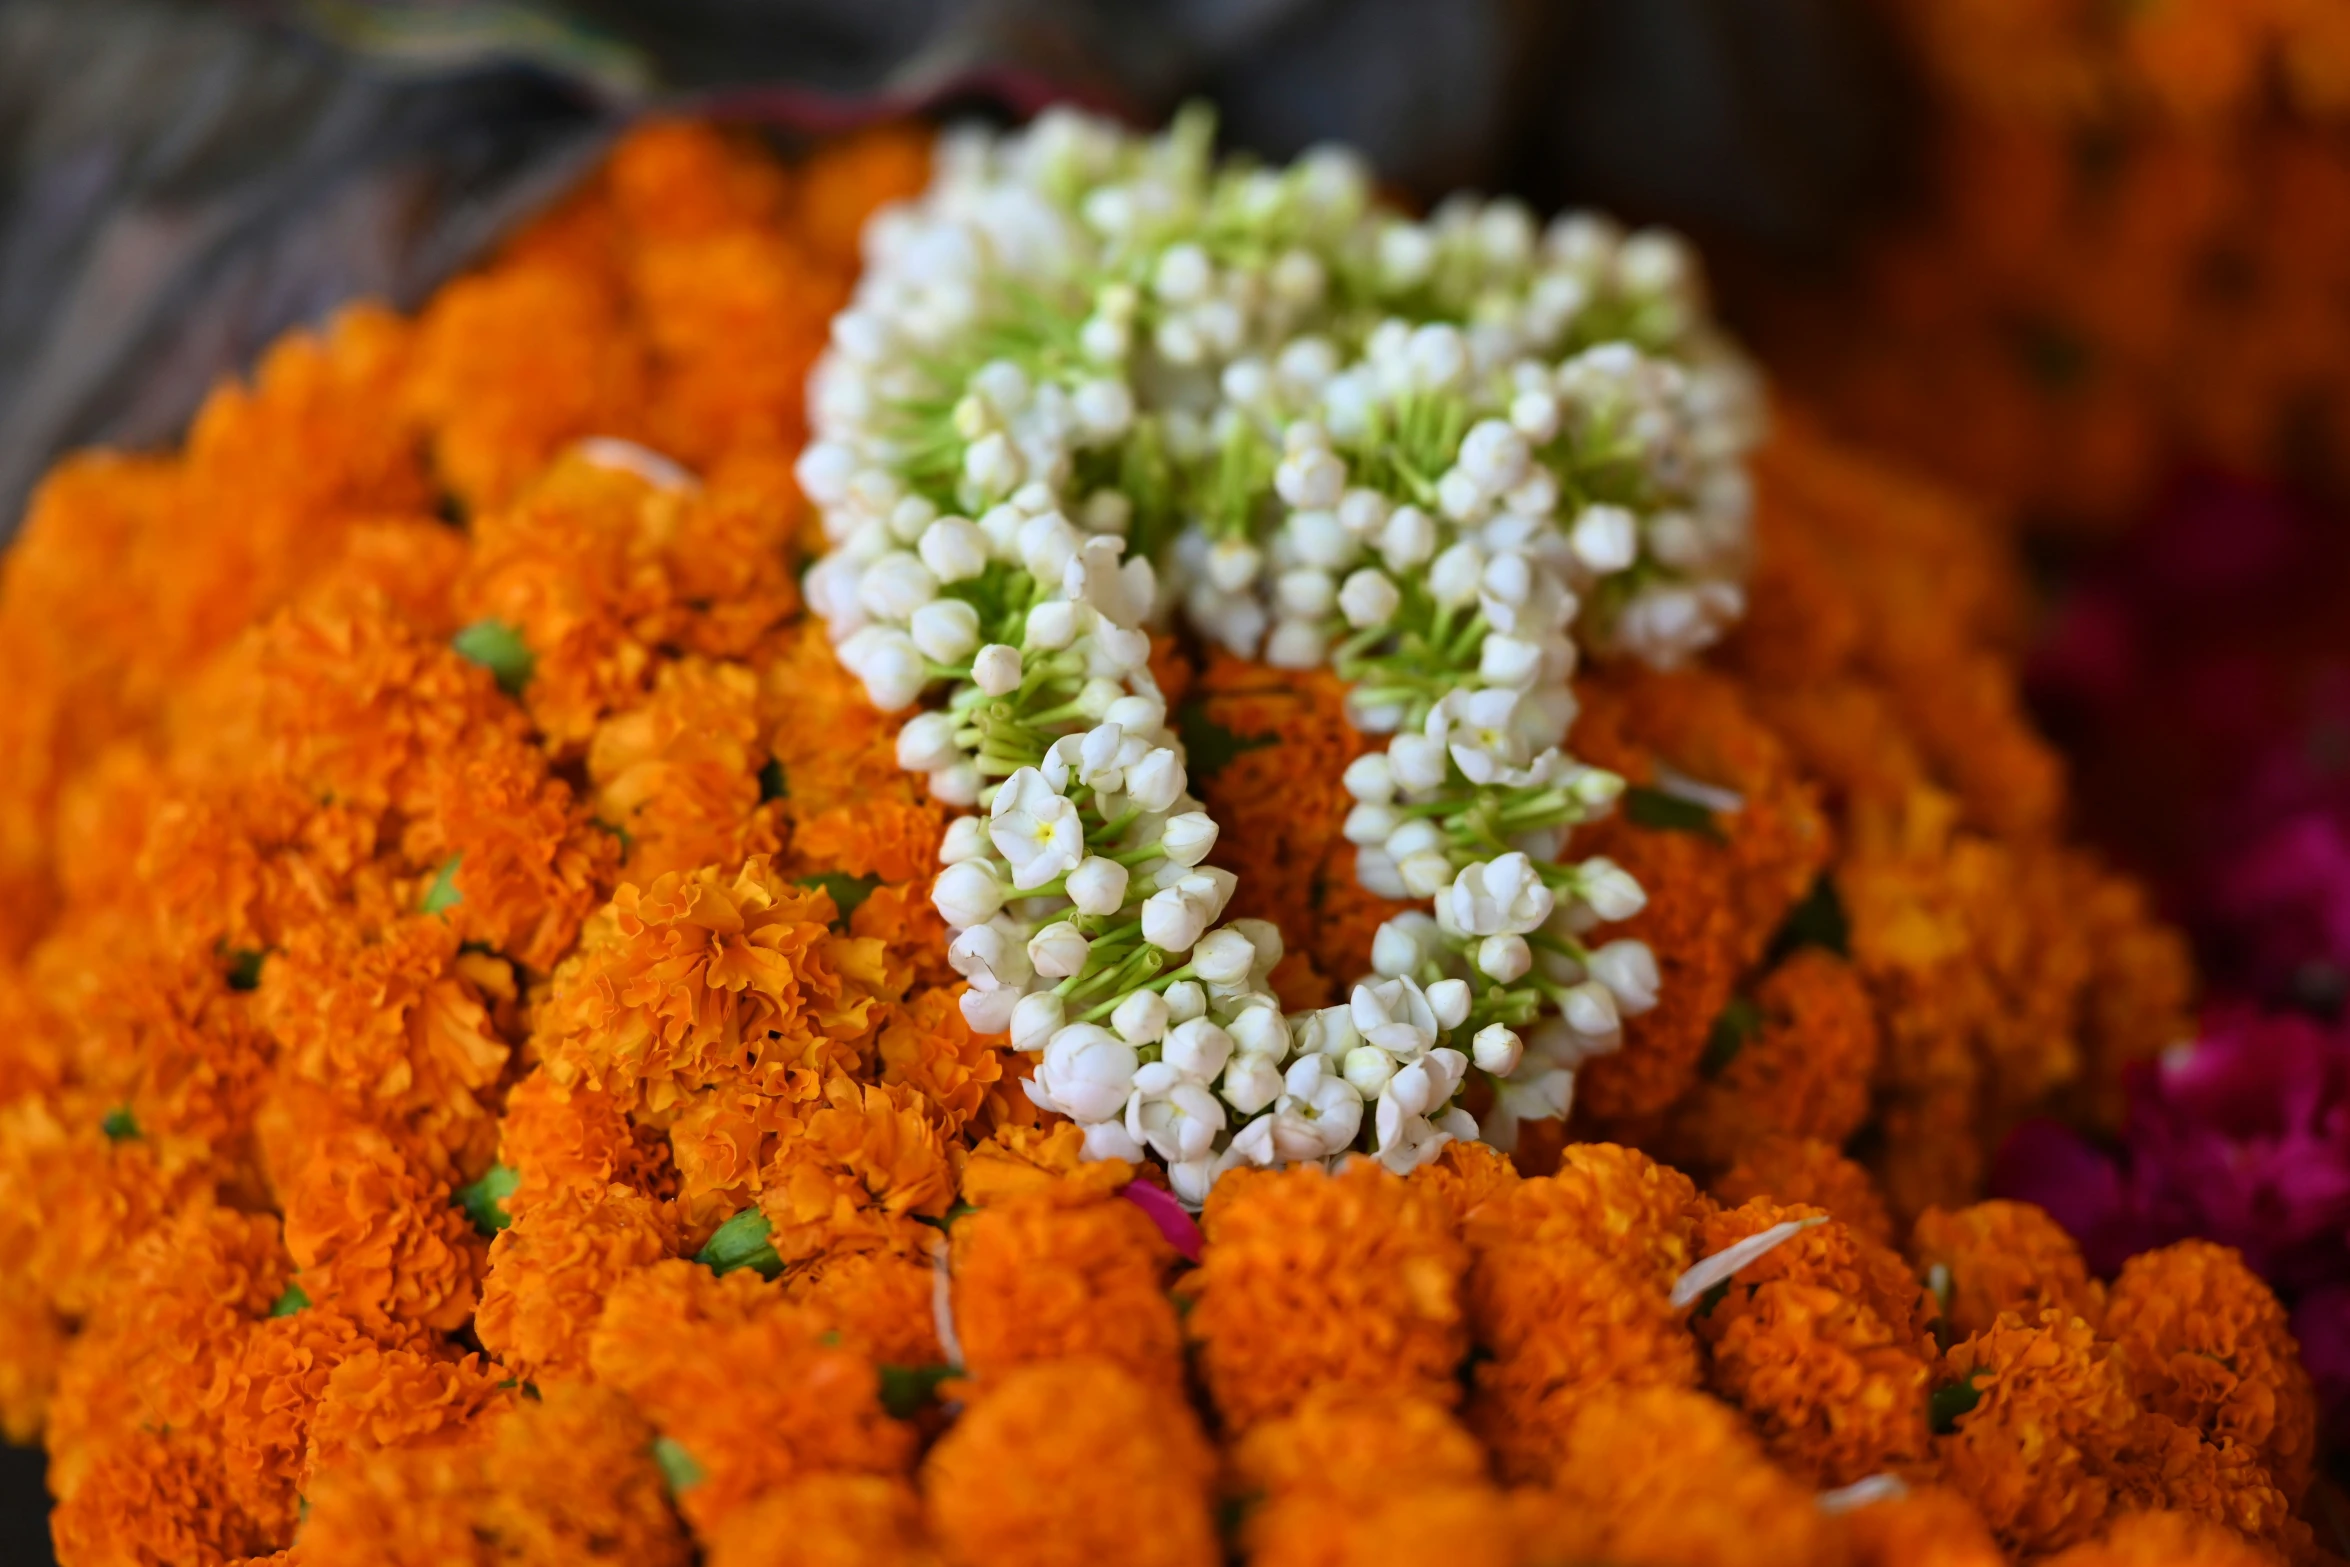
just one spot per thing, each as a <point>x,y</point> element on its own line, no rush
<point>119,1124</point>
<point>244,969</point>
<point>480,1199</point>
<point>1654,808</point>
<point>1739,1022</point>
<point>1208,746</point>
<point>498,648</point>
<point>294,1299</point>
<point>1818,921</point>
<point>955,1210</point>
<point>443,894</point>
<point>773,783</point>
<point>677,1465</point>
<point>1949,1402</point>
<point>741,1242</point>
<point>848,892</point>
<point>905,1389</point>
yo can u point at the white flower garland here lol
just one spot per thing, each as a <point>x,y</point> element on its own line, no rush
<point>1089,377</point>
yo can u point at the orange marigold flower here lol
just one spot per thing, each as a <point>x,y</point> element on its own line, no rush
<point>834,749</point>
<point>926,1046</point>
<point>561,1479</point>
<point>1019,1159</point>
<point>1667,1477</point>
<point>516,362</point>
<point>1610,1198</point>
<point>1310,1278</point>
<point>883,1303</point>
<point>2003,1256</point>
<point>562,1141</point>
<point>914,942</point>
<point>551,1269</point>
<point>754,1390</point>
<point>892,839</point>
<point>826,1521</point>
<point>1927,1526</point>
<point>2164,1539</point>
<point>1467,1176</point>
<point>32,1342</point>
<point>2051,1416</point>
<point>2169,1465</point>
<point>841,186</point>
<point>263,1400</point>
<point>679,772</point>
<point>1806,1171</point>
<point>380,1398</point>
<point>2209,1346</point>
<point>1347,1480</point>
<point>703,979</point>
<point>154,1500</point>
<point>1072,1462</point>
<point>1822,1342</point>
<point>375,1237</point>
<point>1060,1273</point>
<point>858,1173</point>
<point>1802,1068</point>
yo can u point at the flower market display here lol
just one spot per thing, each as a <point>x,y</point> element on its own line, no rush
<point>2129,247</point>
<point>1040,851</point>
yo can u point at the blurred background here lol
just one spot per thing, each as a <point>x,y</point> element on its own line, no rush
<point>2088,263</point>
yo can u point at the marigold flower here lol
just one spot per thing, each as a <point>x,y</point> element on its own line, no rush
<point>264,1396</point>
<point>1072,1462</point>
<point>883,1303</point>
<point>702,979</point>
<point>562,1141</point>
<point>1467,1176</point>
<point>1310,1278</point>
<point>1802,1070</point>
<point>2037,1449</point>
<point>153,1499</point>
<point>860,1170</point>
<point>826,1521</point>
<point>32,1341</point>
<point>1925,1526</point>
<point>552,1268</point>
<point>380,1398</point>
<point>1059,1274</point>
<point>747,1384</point>
<point>2003,1256</point>
<point>1667,1477</point>
<point>2209,1346</point>
<point>927,1046</point>
<point>679,772</point>
<point>563,1478</point>
<point>1610,1198</point>
<point>2164,1539</point>
<point>375,1237</point>
<point>1806,1171</point>
<point>891,839</point>
<point>832,747</point>
<point>2169,1465</point>
<point>1822,1342</point>
<point>1022,1159</point>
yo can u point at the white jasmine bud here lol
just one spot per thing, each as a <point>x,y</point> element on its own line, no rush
<point>1368,778</point>
<point>927,743</point>
<point>1058,950</point>
<point>1098,886</point>
<point>1605,538</point>
<point>1142,1018</point>
<point>1187,837</point>
<point>1223,957</point>
<point>1250,1084</point>
<point>946,630</point>
<point>1036,1017</point>
<point>1628,970</point>
<point>1455,576</point>
<point>1449,999</point>
<point>1408,539</point>
<point>966,839</point>
<point>1368,1069</point>
<point>1197,1049</point>
<point>1369,599</point>
<point>967,893</point>
<point>954,549</point>
<point>1051,626</point>
<point>1497,1049</point>
<point>995,669</point>
<point>1505,958</point>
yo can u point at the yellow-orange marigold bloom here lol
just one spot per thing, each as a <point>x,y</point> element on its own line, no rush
<point>826,1521</point>
<point>154,1500</point>
<point>1613,1199</point>
<point>2053,1412</point>
<point>552,1267</point>
<point>564,1478</point>
<point>1059,1274</point>
<point>2164,1539</point>
<point>1822,1342</point>
<point>375,1237</point>
<point>679,772</point>
<point>1927,1526</point>
<point>1070,1464</point>
<point>263,1400</point>
<point>32,1341</point>
<point>754,1389</point>
<point>1309,1278</point>
<point>867,1163</point>
<point>562,1141</point>
<point>834,748</point>
<point>1804,1071</point>
<point>2003,1256</point>
<point>883,1303</point>
<point>1346,1480</point>
<point>707,978</point>
<point>379,1398</point>
<point>1667,1477</point>
<point>895,840</point>
<point>2168,1465</point>
<point>1018,1159</point>
<point>2209,1346</point>
<point>925,1045</point>
<point>1806,1171</point>
<point>1467,1176</point>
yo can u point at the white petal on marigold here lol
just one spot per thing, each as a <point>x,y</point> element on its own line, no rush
<point>1864,1492</point>
<point>942,1301</point>
<point>1683,787</point>
<point>1723,1264</point>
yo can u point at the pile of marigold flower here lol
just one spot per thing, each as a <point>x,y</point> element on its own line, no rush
<point>2128,243</point>
<point>481,1078</point>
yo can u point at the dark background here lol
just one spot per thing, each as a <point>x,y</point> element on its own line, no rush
<point>181,183</point>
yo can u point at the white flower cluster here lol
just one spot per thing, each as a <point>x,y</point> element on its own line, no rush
<point>1088,377</point>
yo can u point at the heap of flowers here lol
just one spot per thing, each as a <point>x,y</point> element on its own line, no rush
<point>483,1078</point>
<point>2124,247</point>
<point>1412,450</point>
